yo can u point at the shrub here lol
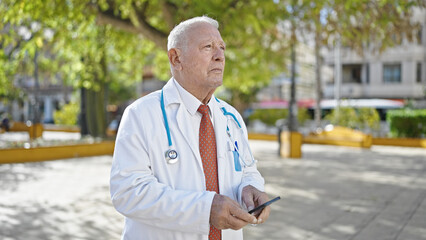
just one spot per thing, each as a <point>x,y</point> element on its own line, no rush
<point>368,118</point>
<point>68,115</point>
<point>346,117</point>
<point>407,122</point>
<point>362,118</point>
<point>271,115</point>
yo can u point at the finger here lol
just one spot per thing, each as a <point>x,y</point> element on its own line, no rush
<point>264,215</point>
<point>235,223</point>
<point>243,215</point>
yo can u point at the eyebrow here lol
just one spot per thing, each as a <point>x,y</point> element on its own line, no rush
<point>210,40</point>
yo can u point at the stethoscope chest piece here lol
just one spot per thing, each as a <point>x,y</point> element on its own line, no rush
<point>171,156</point>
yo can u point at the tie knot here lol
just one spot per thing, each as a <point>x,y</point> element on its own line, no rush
<point>204,109</point>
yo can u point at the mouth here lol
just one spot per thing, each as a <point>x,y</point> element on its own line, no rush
<point>216,70</point>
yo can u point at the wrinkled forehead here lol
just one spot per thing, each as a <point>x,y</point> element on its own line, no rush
<point>203,32</point>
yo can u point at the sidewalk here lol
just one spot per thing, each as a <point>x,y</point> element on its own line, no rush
<point>344,193</point>
<point>332,193</point>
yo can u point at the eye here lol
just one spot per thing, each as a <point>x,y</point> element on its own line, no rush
<point>208,46</point>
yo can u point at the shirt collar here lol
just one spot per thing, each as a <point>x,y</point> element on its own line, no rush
<point>191,103</point>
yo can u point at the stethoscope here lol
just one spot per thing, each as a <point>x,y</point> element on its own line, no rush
<point>172,155</point>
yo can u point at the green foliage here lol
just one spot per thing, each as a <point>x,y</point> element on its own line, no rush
<point>101,53</point>
<point>6,74</point>
<point>68,115</point>
<point>376,24</point>
<point>85,32</point>
<point>366,119</point>
<point>345,117</point>
<point>302,115</point>
<point>407,123</point>
<point>97,42</point>
<point>71,46</point>
<point>162,67</point>
<point>119,92</point>
<point>269,116</point>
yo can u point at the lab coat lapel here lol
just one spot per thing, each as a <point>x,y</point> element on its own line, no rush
<point>171,95</point>
<point>220,122</point>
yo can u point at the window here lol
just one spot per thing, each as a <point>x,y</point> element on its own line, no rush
<point>351,73</point>
<point>392,73</point>
<point>419,73</point>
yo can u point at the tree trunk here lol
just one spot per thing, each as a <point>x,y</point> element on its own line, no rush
<point>337,76</point>
<point>292,108</point>
<point>36,106</point>
<point>83,109</point>
<point>95,101</point>
<point>318,64</point>
<point>96,112</point>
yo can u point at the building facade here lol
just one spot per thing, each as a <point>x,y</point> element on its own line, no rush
<point>398,72</point>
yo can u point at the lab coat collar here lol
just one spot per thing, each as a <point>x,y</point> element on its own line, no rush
<point>171,96</point>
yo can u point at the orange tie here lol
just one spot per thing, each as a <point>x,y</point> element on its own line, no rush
<point>209,158</point>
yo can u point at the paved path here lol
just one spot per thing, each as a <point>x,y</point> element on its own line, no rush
<point>332,193</point>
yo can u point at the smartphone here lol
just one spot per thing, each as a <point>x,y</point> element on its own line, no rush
<point>260,207</point>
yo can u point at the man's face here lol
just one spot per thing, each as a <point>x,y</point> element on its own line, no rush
<point>203,59</point>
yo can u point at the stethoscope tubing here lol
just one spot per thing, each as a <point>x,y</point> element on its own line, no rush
<point>173,158</point>
<point>166,123</point>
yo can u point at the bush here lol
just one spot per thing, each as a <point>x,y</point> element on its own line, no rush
<point>368,118</point>
<point>270,116</point>
<point>407,123</point>
<point>68,115</point>
<point>361,118</point>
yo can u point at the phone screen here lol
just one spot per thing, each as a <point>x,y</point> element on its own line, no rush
<point>260,207</point>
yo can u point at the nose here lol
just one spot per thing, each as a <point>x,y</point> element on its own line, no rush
<point>219,55</point>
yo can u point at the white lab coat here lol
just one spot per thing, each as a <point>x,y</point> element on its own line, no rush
<point>163,201</point>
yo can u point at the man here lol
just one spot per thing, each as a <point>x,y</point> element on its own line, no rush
<point>200,191</point>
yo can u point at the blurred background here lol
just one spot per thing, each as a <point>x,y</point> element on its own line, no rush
<point>80,63</point>
<point>340,72</point>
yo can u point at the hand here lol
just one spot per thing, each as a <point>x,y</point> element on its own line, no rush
<point>252,198</point>
<point>226,213</point>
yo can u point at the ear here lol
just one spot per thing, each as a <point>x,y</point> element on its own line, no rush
<point>174,58</point>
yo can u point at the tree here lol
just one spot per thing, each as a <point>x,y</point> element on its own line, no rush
<point>248,27</point>
<point>95,62</point>
<point>78,52</point>
<point>362,25</point>
<point>298,13</point>
<point>24,54</point>
<point>101,44</point>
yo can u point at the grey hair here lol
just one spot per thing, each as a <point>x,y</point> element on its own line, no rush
<point>177,36</point>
